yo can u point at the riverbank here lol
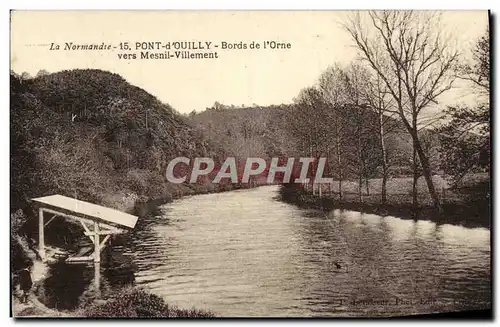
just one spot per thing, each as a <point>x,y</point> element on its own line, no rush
<point>131,302</point>
<point>149,206</point>
<point>468,212</point>
<point>141,207</point>
<point>208,251</point>
<point>33,308</point>
<point>128,302</point>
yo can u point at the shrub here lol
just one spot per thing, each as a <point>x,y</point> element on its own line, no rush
<point>134,302</point>
<point>17,220</point>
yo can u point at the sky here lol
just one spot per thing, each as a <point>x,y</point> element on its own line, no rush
<point>238,77</point>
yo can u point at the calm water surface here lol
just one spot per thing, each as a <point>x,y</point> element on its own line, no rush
<point>244,253</point>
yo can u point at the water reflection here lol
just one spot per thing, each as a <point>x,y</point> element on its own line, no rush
<point>245,254</point>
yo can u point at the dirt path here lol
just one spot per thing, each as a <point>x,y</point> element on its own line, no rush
<point>34,308</point>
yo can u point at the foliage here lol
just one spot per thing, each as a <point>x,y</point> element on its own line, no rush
<point>477,72</point>
<point>466,137</point>
<point>334,119</point>
<point>309,123</point>
<point>19,258</point>
<point>89,134</point>
<point>17,220</point>
<point>409,53</point>
<point>466,141</point>
<point>304,128</point>
<point>245,132</point>
<point>133,302</point>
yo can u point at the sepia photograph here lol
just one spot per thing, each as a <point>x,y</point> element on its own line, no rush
<point>250,164</point>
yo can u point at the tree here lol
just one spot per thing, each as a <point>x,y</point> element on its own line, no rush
<point>309,121</point>
<point>218,106</point>
<point>408,52</point>
<point>367,156</point>
<point>466,137</point>
<point>466,141</point>
<point>477,72</point>
<point>25,76</point>
<point>332,84</point>
<point>42,72</point>
<point>377,96</point>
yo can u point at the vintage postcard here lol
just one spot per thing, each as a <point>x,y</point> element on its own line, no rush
<point>213,164</point>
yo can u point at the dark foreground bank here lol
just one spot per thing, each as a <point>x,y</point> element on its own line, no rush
<point>129,302</point>
<point>133,302</point>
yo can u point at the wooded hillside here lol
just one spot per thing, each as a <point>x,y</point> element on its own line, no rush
<point>90,134</point>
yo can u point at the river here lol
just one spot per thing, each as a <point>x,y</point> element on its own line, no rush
<point>244,253</point>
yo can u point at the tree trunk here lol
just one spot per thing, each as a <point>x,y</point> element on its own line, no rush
<point>367,185</point>
<point>360,176</point>
<point>360,164</point>
<point>360,190</point>
<point>426,171</point>
<point>384,187</point>
<point>339,162</point>
<point>415,178</point>
<point>384,158</point>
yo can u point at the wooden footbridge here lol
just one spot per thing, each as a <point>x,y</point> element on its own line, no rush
<point>98,222</point>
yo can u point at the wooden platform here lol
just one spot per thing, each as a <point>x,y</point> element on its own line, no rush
<point>96,221</point>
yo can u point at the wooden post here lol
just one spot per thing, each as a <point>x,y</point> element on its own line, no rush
<point>97,258</point>
<point>97,243</point>
<point>41,236</point>
<point>97,277</point>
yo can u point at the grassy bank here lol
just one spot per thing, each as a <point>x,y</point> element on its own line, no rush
<point>467,205</point>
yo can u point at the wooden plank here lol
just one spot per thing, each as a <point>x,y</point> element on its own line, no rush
<point>101,232</point>
<point>79,259</point>
<point>111,228</point>
<point>87,209</point>
<point>83,251</point>
<point>103,243</point>
<point>50,220</point>
<point>87,230</point>
<point>78,219</point>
